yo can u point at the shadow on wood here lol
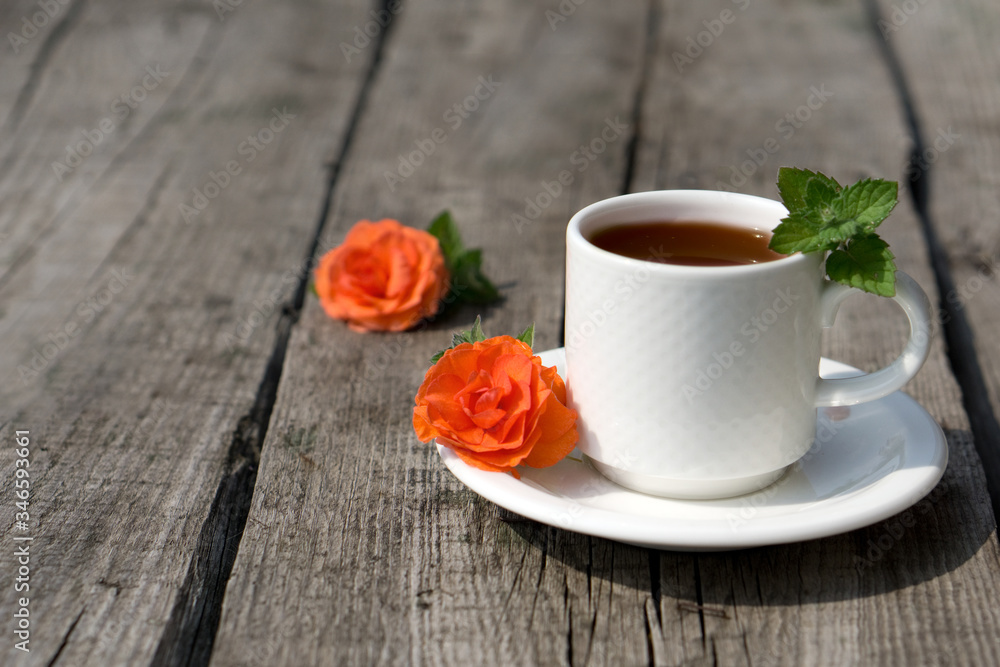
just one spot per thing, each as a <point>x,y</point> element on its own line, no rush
<point>910,548</point>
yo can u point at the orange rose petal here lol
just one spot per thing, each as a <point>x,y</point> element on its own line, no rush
<point>384,277</point>
<point>496,406</point>
<point>552,449</point>
<point>482,465</point>
<point>551,377</point>
<point>421,425</point>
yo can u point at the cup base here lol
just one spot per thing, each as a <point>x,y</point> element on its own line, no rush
<point>687,489</point>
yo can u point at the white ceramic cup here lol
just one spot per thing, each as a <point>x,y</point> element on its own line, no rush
<point>702,382</point>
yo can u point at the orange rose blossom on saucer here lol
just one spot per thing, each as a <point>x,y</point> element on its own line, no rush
<point>495,405</point>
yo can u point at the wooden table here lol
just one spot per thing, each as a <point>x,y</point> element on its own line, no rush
<point>219,472</point>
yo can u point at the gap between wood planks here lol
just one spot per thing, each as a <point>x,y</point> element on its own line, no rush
<point>959,339</point>
<point>958,335</point>
<point>190,631</point>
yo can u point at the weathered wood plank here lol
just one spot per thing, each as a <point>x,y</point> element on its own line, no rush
<point>926,591</point>
<point>361,547</point>
<point>955,96</point>
<point>145,420</point>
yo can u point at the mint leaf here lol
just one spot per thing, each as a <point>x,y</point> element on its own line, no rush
<point>468,284</point>
<point>528,336</point>
<point>823,216</point>
<point>797,233</point>
<point>868,202</point>
<point>865,263</point>
<point>819,197</point>
<point>838,230</point>
<point>793,186</point>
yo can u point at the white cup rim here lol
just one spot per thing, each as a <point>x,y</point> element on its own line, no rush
<point>693,198</point>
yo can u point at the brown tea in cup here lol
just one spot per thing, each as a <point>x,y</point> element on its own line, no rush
<point>688,243</point>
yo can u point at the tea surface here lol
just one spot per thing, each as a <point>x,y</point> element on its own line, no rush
<point>688,243</point>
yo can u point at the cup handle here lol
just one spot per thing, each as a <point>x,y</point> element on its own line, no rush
<point>854,390</point>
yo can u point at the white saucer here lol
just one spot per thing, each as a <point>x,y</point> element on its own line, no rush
<point>869,462</point>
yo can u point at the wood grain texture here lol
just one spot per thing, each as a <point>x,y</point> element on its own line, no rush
<point>145,413</point>
<point>361,548</point>
<point>885,594</point>
<point>955,98</point>
<point>358,547</point>
<point>414,568</point>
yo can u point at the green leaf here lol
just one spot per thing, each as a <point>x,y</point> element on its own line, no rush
<point>312,289</point>
<point>476,335</point>
<point>867,202</point>
<point>443,228</point>
<point>473,335</point>
<point>838,230</point>
<point>865,263</point>
<point>823,216</point>
<point>468,282</point>
<point>528,336</point>
<point>796,233</point>
<point>793,185</point>
<point>819,196</point>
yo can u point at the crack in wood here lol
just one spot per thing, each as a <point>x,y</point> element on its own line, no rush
<point>189,635</point>
<point>27,93</point>
<point>649,50</point>
<point>703,609</point>
<point>65,639</point>
<point>699,607</point>
<point>206,50</point>
<point>959,338</point>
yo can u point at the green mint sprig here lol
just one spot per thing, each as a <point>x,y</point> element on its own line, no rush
<point>476,335</point>
<point>468,284</point>
<point>824,216</point>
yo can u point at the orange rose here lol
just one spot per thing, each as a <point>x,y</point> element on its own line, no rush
<point>496,406</point>
<point>384,277</point>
